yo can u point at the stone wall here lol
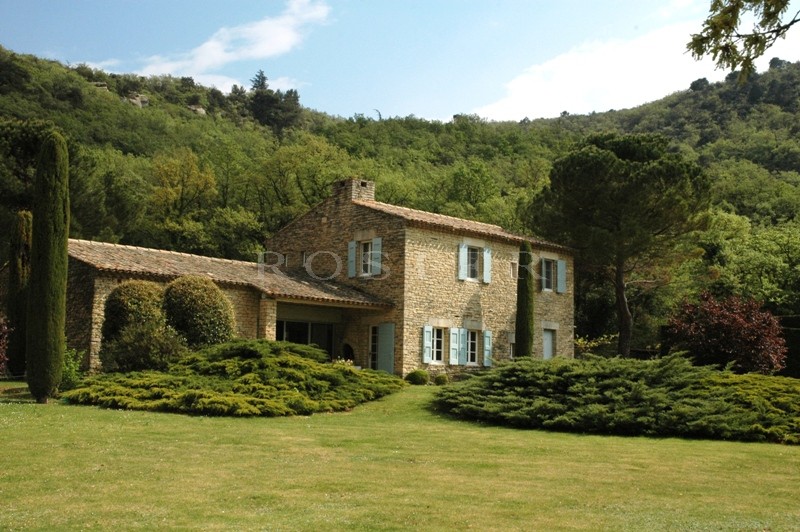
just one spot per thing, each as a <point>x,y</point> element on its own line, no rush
<point>435,296</point>
<point>80,315</point>
<point>246,304</point>
<point>553,310</point>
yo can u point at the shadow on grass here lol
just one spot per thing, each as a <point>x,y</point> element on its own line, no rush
<point>15,392</point>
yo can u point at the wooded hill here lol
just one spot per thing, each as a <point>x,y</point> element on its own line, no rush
<point>164,162</point>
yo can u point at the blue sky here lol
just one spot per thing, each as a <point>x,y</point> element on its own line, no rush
<point>501,59</point>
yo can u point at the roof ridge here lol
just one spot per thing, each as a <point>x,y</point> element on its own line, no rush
<point>367,203</point>
<point>164,251</point>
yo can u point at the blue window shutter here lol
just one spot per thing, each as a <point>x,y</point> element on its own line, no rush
<point>487,265</point>
<point>487,348</point>
<point>462,262</point>
<point>543,276</point>
<point>427,343</point>
<point>454,346</point>
<point>377,249</point>
<point>561,274</point>
<point>386,347</point>
<point>462,347</point>
<point>351,258</point>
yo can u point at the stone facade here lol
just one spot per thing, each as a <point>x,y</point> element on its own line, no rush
<point>389,287</point>
<point>419,275</point>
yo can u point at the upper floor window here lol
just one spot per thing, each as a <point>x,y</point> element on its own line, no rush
<point>364,257</point>
<point>554,275</point>
<point>548,274</point>
<point>365,250</point>
<point>474,263</point>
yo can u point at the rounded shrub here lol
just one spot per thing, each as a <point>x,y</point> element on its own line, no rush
<point>132,302</point>
<point>441,379</point>
<point>418,376</point>
<point>142,346</point>
<point>199,311</point>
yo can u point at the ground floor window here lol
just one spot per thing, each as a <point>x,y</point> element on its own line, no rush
<point>472,347</point>
<point>437,353</point>
<point>303,332</point>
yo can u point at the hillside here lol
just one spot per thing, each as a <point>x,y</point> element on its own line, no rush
<point>165,162</point>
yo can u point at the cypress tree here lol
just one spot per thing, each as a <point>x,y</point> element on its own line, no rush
<point>47,290</point>
<point>19,272</point>
<point>525,293</point>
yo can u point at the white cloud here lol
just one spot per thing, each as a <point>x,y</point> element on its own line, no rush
<point>269,37</point>
<point>107,65</point>
<point>617,74</point>
<point>603,75</point>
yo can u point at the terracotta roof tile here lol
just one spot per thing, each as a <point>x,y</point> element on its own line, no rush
<point>451,223</point>
<point>134,260</point>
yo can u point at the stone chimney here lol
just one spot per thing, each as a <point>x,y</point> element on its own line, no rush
<point>354,189</point>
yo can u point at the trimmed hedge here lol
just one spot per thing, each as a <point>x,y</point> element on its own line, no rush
<point>132,302</point>
<point>418,377</point>
<point>665,397</point>
<point>241,378</point>
<point>199,311</point>
<point>142,346</point>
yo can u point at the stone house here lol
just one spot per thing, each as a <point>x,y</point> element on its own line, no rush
<point>96,268</point>
<point>388,287</point>
<point>451,284</point>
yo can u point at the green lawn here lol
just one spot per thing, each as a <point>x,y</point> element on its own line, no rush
<point>387,465</point>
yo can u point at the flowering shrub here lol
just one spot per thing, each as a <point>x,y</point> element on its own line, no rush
<point>4,332</point>
<point>732,330</point>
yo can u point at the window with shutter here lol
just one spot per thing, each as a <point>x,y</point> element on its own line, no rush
<point>427,344</point>
<point>462,262</point>
<point>472,347</point>
<point>365,258</point>
<point>462,347</point>
<point>561,277</point>
<point>487,348</point>
<point>351,258</point>
<point>377,255</point>
<point>487,265</point>
<point>454,346</point>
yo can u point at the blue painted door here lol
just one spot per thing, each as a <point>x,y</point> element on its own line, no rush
<point>549,344</point>
<point>386,347</point>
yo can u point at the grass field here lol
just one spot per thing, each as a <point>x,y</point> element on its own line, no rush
<point>387,465</point>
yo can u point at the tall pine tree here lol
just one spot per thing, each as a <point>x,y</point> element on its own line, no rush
<point>47,290</point>
<point>19,272</point>
<point>523,338</point>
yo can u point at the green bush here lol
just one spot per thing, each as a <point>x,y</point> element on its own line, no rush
<point>249,348</point>
<point>199,311</point>
<point>441,379</point>
<point>132,302</point>
<point>664,397</point>
<point>418,377</point>
<point>241,378</point>
<point>72,374</point>
<point>142,346</point>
